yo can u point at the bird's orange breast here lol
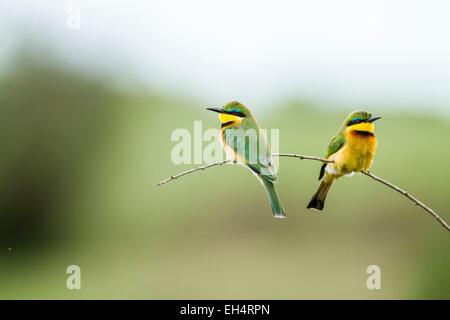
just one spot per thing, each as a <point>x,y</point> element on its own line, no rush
<point>360,150</point>
<point>356,155</point>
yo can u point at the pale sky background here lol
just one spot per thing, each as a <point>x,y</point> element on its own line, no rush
<point>341,53</point>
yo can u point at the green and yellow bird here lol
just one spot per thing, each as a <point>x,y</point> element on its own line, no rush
<point>243,142</point>
<point>352,150</point>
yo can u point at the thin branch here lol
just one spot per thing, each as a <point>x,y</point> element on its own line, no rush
<point>301,157</point>
<point>415,201</point>
<point>204,167</point>
<point>198,168</point>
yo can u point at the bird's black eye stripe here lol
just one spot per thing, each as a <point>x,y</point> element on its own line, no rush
<point>354,121</point>
<point>238,114</point>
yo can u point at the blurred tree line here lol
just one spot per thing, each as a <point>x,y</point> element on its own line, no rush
<point>53,121</point>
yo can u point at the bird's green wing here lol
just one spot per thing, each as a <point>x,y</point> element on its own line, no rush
<point>254,150</point>
<point>336,143</point>
<point>264,165</point>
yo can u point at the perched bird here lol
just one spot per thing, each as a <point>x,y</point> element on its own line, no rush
<point>352,150</point>
<point>243,142</point>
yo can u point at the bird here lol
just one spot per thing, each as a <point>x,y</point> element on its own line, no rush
<point>352,150</point>
<point>241,138</point>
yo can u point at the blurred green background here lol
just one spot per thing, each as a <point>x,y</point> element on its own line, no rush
<point>79,167</point>
<point>86,117</point>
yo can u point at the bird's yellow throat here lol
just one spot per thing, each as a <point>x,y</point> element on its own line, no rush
<point>362,127</point>
<point>229,119</point>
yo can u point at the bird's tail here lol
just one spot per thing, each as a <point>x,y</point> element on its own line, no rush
<point>318,200</point>
<point>277,207</point>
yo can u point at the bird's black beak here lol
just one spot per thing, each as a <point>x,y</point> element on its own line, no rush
<point>233,113</point>
<point>373,119</point>
<point>216,110</point>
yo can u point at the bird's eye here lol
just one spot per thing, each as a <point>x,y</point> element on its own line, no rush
<point>354,121</point>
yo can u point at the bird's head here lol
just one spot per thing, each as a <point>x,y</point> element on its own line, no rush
<point>232,114</point>
<point>360,121</point>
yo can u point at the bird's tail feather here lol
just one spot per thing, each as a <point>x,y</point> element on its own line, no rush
<point>318,200</point>
<point>277,207</point>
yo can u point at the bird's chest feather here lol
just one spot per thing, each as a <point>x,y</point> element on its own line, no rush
<point>357,153</point>
<point>227,140</point>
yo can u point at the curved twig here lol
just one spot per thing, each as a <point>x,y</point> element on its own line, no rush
<point>203,167</point>
<point>301,157</point>
<point>415,201</point>
<point>198,168</point>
